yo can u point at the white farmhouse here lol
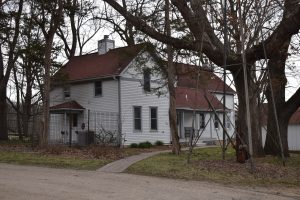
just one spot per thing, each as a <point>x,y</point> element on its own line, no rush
<point>116,90</point>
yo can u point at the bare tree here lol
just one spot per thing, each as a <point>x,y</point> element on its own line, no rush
<point>80,26</point>
<point>283,27</point>
<point>48,19</point>
<point>8,42</point>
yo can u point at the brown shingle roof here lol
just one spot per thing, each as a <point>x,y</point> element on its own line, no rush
<point>189,98</point>
<point>96,66</point>
<point>70,105</point>
<point>187,77</point>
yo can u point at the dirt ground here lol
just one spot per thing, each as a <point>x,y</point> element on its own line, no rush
<point>35,183</point>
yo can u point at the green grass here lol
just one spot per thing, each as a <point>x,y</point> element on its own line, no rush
<point>37,159</point>
<point>206,164</point>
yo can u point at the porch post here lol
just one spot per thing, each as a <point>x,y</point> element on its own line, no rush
<point>70,130</point>
<point>182,134</point>
<point>65,126</point>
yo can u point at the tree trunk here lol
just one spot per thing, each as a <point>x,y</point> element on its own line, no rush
<point>171,81</point>
<point>173,116</point>
<point>272,146</point>
<point>241,123</point>
<point>276,66</point>
<point>3,114</point>
<point>46,97</point>
<point>49,36</point>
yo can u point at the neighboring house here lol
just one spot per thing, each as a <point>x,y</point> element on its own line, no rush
<point>117,90</point>
<point>293,132</point>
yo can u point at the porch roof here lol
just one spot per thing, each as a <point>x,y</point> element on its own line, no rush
<point>67,107</point>
<point>189,98</point>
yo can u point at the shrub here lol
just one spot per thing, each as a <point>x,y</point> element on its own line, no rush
<point>159,143</point>
<point>146,144</point>
<point>134,145</point>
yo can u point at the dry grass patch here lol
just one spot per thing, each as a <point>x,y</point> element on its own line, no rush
<point>207,165</point>
<point>89,158</point>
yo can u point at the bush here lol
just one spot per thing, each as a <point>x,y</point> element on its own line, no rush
<point>134,145</point>
<point>146,144</point>
<point>159,143</point>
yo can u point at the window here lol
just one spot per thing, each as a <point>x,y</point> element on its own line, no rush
<point>67,92</point>
<point>137,117</point>
<point>98,88</point>
<point>153,118</point>
<point>147,80</point>
<point>216,121</point>
<point>202,120</point>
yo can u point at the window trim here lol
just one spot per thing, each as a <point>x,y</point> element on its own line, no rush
<point>150,118</point>
<point>98,95</point>
<point>134,118</point>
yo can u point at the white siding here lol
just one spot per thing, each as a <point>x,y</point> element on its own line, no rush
<point>229,100</point>
<point>210,132</point>
<point>132,94</point>
<point>83,93</point>
<point>56,96</point>
<point>293,137</point>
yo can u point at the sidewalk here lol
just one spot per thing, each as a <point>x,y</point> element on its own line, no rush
<point>121,165</point>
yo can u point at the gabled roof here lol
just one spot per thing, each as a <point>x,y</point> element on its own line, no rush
<point>187,77</point>
<point>190,98</point>
<point>67,106</point>
<point>91,66</point>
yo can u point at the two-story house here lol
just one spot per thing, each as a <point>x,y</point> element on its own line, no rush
<point>123,90</point>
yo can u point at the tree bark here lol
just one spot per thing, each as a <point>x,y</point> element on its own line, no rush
<point>49,35</point>
<point>4,74</point>
<point>3,114</point>
<point>276,67</point>
<point>171,86</point>
<point>241,116</point>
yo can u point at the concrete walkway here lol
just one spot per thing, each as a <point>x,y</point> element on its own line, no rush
<point>122,164</point>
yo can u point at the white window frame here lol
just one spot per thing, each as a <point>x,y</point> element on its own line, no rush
<point>150,117</point>
<point>134,119</point>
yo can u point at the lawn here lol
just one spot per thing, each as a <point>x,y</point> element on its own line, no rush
<point>27,158</point>
<point>206,164</point>
<point>59,156</point>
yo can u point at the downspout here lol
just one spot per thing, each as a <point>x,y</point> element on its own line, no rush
<point>119,139</point>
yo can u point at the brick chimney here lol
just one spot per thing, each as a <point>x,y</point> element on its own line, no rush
<point>105,45</point>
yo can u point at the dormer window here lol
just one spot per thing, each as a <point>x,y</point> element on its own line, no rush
<point>147,80</point>
<point>98,88</point>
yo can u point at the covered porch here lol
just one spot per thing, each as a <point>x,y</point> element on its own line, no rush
<point>66,119</point>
